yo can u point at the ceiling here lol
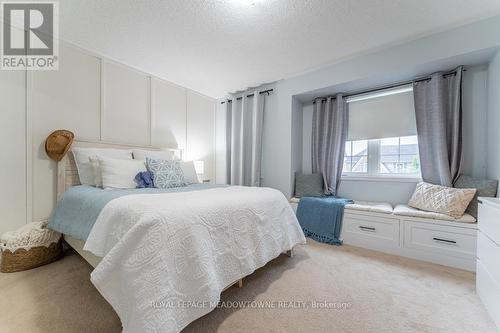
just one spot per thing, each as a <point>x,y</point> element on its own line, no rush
<point>221,46</point>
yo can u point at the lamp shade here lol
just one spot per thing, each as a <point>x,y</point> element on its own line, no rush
<point>199,166</point>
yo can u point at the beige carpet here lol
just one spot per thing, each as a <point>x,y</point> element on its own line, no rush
<point>384,294</point>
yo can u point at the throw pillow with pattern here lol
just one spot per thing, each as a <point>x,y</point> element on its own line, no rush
<point>166,174</point>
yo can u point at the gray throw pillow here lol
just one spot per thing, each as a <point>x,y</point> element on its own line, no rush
<point>485,188</point>
<point>308,185</point>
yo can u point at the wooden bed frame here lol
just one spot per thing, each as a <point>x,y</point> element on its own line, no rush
<point>67,176</point>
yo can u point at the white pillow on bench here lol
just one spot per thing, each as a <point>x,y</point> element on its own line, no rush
<point>441,199</point>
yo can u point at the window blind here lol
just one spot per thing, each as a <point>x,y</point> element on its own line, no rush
<point>382,115</point>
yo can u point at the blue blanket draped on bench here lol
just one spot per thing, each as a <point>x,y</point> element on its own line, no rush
<point>321,218</point>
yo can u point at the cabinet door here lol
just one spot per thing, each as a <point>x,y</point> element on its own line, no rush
<point>68,98</point>
<point>201,131</point>
<point>13,150</point>
<point>168,115</point>
<point>126,113</point>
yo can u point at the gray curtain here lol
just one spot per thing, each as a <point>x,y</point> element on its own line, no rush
<point>438,110</point>
<point>244,124</point>
<point>329,133</point>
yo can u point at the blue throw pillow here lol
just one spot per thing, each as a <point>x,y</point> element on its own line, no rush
<point>166,174</point>
<point>144,179</point>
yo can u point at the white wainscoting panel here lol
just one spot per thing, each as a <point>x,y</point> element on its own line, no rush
<point>13,147</point>
<point>168,114</point>
<point>220,144</point>
<point>126,114</point>
<point>68,98</point>
<point>201,131</point>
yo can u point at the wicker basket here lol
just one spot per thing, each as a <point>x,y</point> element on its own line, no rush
<point>22,259</point>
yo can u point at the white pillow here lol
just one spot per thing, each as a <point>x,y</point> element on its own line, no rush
<point>189,171</point>
<point>441,199</point>
<point>141,154</point>
<point>84,166</point>
<point>119,173</point>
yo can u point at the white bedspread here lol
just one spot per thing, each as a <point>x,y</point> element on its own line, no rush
<point>167,257</point>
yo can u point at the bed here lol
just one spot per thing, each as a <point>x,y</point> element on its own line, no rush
<point>163,257</point>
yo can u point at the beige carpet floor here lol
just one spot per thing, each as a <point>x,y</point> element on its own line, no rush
<point>383,293</point>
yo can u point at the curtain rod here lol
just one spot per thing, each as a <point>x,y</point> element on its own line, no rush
<point>390,86</point>
<point>268,91</point>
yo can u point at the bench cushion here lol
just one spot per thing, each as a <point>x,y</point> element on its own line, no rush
<point>405,210</point>
<point>368,206</point>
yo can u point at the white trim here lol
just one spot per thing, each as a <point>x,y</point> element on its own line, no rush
<point>381,178</point>
<point>29,145</point>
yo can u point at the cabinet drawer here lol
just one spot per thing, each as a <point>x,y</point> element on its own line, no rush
<point>489,221</point>
<point>371,232</point>
<point>489,291</point>
<point>489,253</point>
<point>448,240</point>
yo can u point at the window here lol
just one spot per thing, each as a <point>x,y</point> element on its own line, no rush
<point>382,138</point>
<point>356,156</point>
<point>399,155</point>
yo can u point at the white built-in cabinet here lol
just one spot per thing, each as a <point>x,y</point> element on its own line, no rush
<point>13,208</point>
<point>99,100</point>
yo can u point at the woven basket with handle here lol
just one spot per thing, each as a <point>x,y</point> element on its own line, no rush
<point>22,259</point>
<point>31,246</point>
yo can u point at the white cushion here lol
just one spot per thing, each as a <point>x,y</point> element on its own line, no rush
<point>142,154</point>
<point>119,173</point>
<point>84,166</point>
<point>405,210</point>
<point>370,206</point>
<point>189,171</point>
<point>441,199</point>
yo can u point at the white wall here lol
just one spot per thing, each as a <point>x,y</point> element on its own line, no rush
<point>475,123</point>
<point>493,169</point>
<point>13,149</point>
<point>406,60</point>
<point>99,100</point>
<point>474,145</point>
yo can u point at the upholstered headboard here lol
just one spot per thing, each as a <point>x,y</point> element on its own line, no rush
<point>67,173</point>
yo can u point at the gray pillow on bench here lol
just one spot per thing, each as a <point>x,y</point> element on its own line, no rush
<point>308,185</point>
<point>485,188</point>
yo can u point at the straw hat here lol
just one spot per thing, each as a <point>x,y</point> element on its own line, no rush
<point>58,144</point>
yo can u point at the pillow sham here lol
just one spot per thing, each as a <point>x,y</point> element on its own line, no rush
<point>189,171</point>
<point>441,199</point>
<point>166,174</point>
<point>120,173</point>
<point>142,154</point>
<point>308,185</point>
<point>84,166</point>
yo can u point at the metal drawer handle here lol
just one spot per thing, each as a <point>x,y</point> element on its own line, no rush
<point>444,240</point>
<point>366,228</point>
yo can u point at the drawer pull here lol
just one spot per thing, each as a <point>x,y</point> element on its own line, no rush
<point>444,240</point>
<point>367,228</point>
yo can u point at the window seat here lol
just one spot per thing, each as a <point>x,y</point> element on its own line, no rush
<point>410,232</point>
<point>405,210</point>
<point>370,206</point>
<point>366,206</point>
